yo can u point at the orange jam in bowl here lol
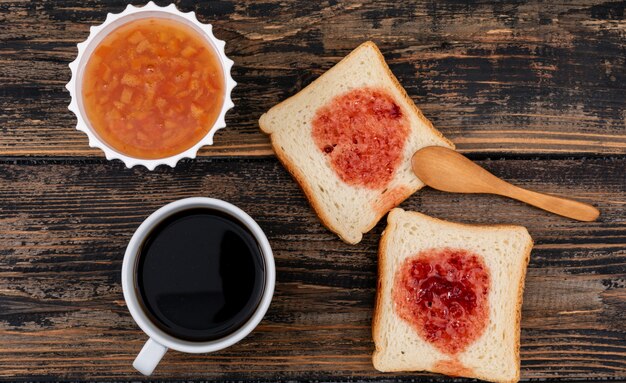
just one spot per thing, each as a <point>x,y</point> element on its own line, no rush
<point>153,88</point>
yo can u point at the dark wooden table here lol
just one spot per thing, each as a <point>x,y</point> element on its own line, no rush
<point>534,92</point>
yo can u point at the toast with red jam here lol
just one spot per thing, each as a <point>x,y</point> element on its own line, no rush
<point>449,297</point>
<point>348,139</point>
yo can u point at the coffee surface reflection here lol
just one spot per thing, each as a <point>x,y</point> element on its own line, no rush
<point>200,275</point>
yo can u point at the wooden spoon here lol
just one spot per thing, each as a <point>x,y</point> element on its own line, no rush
<point>444,169</point>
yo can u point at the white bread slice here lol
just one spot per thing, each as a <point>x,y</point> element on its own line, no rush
<point>347,210</point>
<point>505,250</point>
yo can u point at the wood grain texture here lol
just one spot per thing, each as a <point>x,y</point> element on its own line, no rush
<point>508,78</point>
<point>532,90</point>
<point>64,226</point>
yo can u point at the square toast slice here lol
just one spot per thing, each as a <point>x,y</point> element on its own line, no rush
<point>351,206</point>
<point>413,340</point>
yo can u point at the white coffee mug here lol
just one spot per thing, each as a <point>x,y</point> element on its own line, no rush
<point>159,341</point>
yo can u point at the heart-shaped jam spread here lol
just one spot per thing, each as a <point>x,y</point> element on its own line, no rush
<point>443,294</point>
<point>363,133</point>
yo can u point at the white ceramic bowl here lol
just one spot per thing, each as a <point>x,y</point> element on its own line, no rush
<point>98,33</point>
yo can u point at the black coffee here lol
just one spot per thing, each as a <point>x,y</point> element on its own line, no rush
<point>200,275</point>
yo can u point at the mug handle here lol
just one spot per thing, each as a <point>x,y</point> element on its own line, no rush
<point>149,356</point>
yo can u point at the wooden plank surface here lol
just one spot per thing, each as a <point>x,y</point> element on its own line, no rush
<point>508,78</point>
<point>64,226</point>
<point>534,91</point>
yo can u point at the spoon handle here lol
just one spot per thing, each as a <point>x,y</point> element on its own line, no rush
<point>557,205</point>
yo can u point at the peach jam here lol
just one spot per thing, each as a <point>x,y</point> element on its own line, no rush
<point>443,295</point>
<point>362,132</point>
<point>153,88</point>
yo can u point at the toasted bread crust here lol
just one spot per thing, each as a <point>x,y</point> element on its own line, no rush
<point>379,291</point>
<point>308,192</point>
<point>518,313</point>
<point>301,178</point>
<point>382,259</point>
<point>407,98</point>
<point>466,225</point>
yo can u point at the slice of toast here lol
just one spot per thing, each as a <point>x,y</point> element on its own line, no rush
<point>403,343</point>
<point>346,207</point>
